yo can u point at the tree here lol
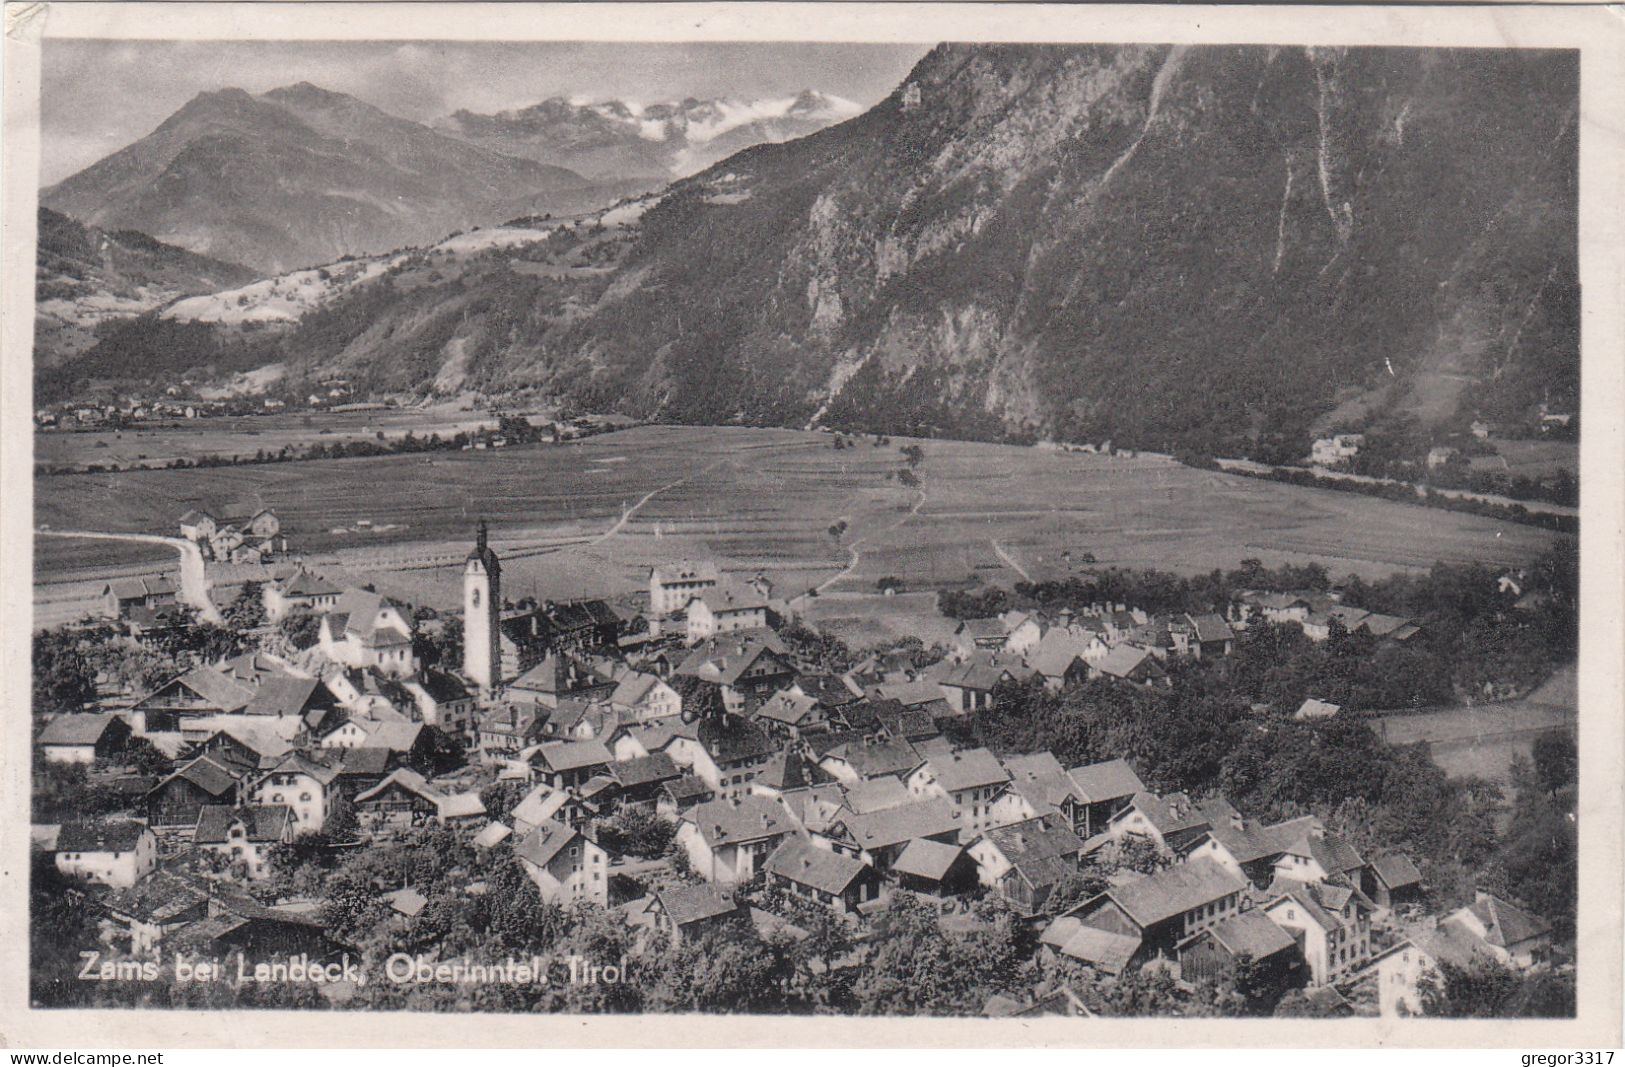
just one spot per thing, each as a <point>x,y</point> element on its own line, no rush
<point>701,699</point>
<point>64,679</point>
<point>1556,761</point>
<point>301,629</point>
<point>1478,991</point>
<point>914,454</point>
<point>247,609</point>
<point>637,832</point>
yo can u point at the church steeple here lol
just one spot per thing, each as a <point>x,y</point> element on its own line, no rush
<point>482,607</point>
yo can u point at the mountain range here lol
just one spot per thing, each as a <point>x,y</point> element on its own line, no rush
<point>615,140</point>
<point>300,176</point>
<point>1170,247</point>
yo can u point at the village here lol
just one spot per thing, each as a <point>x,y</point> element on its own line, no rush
<point>687,764</point>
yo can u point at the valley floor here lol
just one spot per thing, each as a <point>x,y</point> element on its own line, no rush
<point>590,517</point>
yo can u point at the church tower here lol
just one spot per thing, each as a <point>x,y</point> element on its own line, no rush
<point>482,607</point>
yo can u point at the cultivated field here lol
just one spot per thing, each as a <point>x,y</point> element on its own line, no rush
<point>155,445</point>
<point>592,516</point>
<point>1481,741</point>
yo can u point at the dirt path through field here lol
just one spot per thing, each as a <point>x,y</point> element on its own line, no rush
<point>854,550</point>
<point>626,516</point>
<point>1010,561</point>
<point>194,581</point>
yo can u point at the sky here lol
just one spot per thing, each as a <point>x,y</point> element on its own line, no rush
<point>98,96</point>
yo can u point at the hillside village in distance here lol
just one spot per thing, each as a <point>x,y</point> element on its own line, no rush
<point>698,775</point>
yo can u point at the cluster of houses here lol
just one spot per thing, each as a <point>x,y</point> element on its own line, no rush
<point>1316,612</point>
<point>840,790</point>
<point>1101,641</point>
<point>246,533</point>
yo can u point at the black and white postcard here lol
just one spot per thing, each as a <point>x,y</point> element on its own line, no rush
<point>990,526</point>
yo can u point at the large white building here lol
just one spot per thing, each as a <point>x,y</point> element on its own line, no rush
<point>672,587</point>
<point>364,630</point>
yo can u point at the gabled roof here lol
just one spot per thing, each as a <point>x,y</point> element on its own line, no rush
<point>299,763</point>
<point>927,859</point>
<point>1040,778</point>
<point>905,822</point>
<point>1176,812</point>
<point>140,588</point>
<point>160,898</point>
<point>76,729</point>
<point>723,659</point>
<point>825,870</point>
<point>831,690</point>
<point>739,820</point>
<point>1305,836</point>
<point>976,673</point>
<point>442,686</point>
<point>112,835</point>
<point>734,739</point>
<point>356,613</point>
<point>1057,650</point>
<point>789,707</point>
<point>539,805</point>
<point>263,823</point>
<point>545,842</point>
<point>407,779</point>
<point>633,688</point>
<point>1323,902</point>
<point>1173,891</point>
<point>877,794</point>
<point>1126,661</point>
<point>406,900</point>
<point>726,597</point>
<point>644,770</point>
<point>206,773</point>
<point>282,694</point>
<point>1210,627</point>
<point>1111,780</point>
<point>685,904</point>
<point>1395,870</point>
<point>1248,933</point>
<point>874,758</point>
<point>215,688</point>
<point>364,761</point>
<point>686,787</point>
<point>788,770</point>
<point>919,692</point>
<point>1103,950</point>
<point>1505,925</point>
<point>572,755</point>
<point>966,769</point>
<point>1041,851</point>
<point>303,583</point>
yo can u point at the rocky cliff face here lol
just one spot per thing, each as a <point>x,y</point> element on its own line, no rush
<point>299,176</point>
<point>1169,247</point>
<point>1163,244</point>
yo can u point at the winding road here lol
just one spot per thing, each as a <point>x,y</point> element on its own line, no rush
<point>194,579</point>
